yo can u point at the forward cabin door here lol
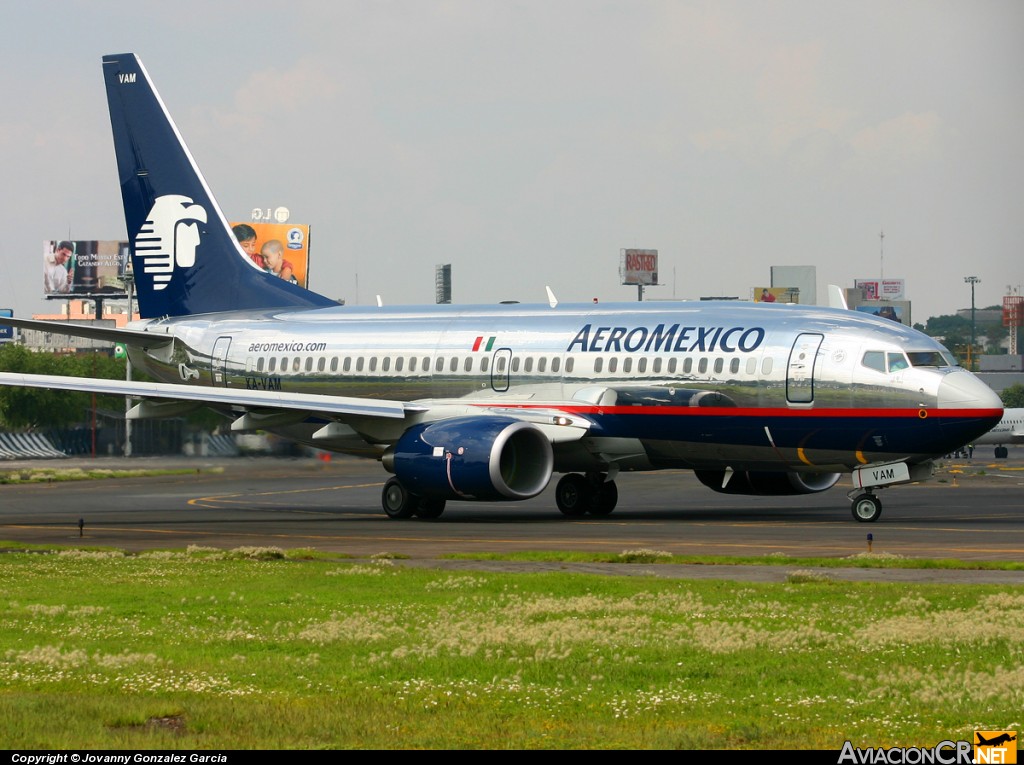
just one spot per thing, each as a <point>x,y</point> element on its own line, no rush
<point>800,370</point>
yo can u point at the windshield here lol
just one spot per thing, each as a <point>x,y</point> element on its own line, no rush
<point>931,359</point>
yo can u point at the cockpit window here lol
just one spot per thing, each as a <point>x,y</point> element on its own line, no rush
<point>930,359</point>
<point>874,360</point>
<point>897,361</point>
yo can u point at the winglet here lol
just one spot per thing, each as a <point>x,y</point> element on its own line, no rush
<point>552,300</point>
<point>836,298</point>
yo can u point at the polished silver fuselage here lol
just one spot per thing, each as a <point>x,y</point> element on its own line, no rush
<point>665,384</point>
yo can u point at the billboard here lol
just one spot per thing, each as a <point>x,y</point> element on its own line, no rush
<point>281,249</point>
<point>84,267</point>
<point>881,289</point>
<point>638,266</point>
<point>6,333</point>
<point>776,294</point>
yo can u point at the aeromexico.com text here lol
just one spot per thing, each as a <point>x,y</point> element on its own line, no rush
<point>673,338</point>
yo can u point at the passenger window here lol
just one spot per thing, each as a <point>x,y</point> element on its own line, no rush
<point>309,363</point>
<point>515,364</point>
<point>453,365</point>
<point>501,364</point>
<point>296,364</point>
<point>259,364</point>
<point>598,364</point>
<point>687,366</point>
<point>672,364</point>
<point>569,364</point>
<point>734,366</point>
<point>484,364</point>
<point>719,365</point>
<point>373,363</point>
<point>751,366</point>
<point>385,364</point>
<point>468,366</point>
<point>641,366</point>
<point>874,360</point>
<point>528,364</point>
<point>555,364</point>
<point>541,363</point>
<point>273,363</point>
<point>439,364</point>
<point>702,365</point>
<point>412,363</point>
<point>613,363</point>
<point>359,364</point>
<point>284,363</point>
<point>426,363</point>
<point>348,364</point>
<point>398,363</point>
<point>766,366</point>
<point>627,365</point>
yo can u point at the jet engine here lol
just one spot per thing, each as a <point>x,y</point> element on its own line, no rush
<point>477,458</point>
<point>767,482</point>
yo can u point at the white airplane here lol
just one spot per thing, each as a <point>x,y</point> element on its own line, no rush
<point>1009,430</point>
<point>488,402</point>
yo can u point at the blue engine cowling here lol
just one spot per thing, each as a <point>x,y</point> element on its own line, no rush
<point>767,483</point>
<point>477,458</point>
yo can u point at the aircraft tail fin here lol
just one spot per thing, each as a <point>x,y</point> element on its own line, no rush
<point>185,258</point>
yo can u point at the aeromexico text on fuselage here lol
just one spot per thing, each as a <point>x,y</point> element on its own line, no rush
<point>673,338</point>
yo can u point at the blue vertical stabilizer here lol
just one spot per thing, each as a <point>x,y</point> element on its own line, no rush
<point>185,257</point>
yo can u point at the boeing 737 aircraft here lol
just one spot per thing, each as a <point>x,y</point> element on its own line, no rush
<point>488,402</point>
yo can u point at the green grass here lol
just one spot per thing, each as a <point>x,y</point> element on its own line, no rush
<point>860,560</point>
<point>266,648</point>
<point>51,475</point>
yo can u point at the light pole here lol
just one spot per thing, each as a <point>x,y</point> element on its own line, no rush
<point>129,280</point>
<point>972,280</point>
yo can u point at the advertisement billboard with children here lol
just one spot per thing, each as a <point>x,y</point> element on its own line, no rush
<point>281,249</point>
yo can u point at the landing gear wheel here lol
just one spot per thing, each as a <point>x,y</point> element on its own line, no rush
<point>1002,452</point>
<point>866,508</point>
<point>606,496</point>
<point>396,500</point>
<point>429,507</point>
<point>573,494</point>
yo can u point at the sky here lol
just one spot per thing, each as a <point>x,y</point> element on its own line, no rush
<point>526,143</point>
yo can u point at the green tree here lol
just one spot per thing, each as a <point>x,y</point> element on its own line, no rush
<point>46,407</point>
<point>1013,397</point>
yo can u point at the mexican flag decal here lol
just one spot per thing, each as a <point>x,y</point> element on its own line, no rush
<point>479,341</point>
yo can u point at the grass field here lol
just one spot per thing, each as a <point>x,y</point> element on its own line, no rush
<point>257,648</point>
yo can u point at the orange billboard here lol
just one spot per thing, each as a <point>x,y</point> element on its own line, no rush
<point>281,249</point>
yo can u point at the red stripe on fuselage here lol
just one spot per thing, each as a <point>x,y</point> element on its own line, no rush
<point>727,411</point>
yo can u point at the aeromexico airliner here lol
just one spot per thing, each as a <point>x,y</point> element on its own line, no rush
<point>488,402</point>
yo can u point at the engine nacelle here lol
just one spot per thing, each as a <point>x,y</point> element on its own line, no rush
<point>476,458</point>
<point>765,482</point>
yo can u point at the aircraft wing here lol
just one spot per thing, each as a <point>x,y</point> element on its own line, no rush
<point>311,403</point>
<point>137,337</point>
<point>263,408</point>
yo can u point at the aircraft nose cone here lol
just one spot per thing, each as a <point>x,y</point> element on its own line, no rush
<point>962,390</point>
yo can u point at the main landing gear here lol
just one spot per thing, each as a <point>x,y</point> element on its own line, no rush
<point>866,507</point>
<point>398,502</point>
<point>578,495</point>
